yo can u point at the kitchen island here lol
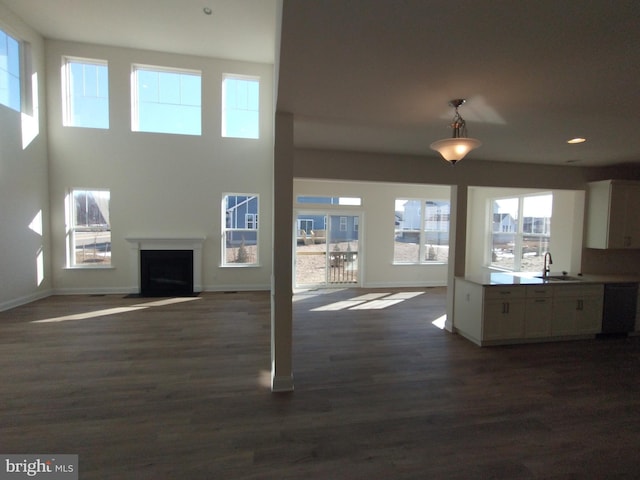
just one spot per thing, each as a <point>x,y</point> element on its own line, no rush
<point>497,308</point>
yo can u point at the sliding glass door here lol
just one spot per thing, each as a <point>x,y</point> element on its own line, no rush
<point>327,249</point>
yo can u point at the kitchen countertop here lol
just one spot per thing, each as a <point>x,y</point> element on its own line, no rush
<point>530,278</point>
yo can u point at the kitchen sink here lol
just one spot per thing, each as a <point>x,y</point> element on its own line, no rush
<point>560,278</point>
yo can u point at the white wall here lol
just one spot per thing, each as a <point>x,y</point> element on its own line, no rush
<point>161,185</point>
<point>377,228</point>
<point>566,226</point>
<point>25,272</point>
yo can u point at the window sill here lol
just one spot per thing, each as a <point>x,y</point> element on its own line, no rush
<point>90,267</point>
<point>240,265</point>
<point>425,264</point>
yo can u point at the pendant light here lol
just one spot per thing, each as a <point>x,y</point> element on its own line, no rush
<point>455,148</point>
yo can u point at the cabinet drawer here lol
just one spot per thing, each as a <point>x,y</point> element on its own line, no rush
<point>497,292</point>
<point>575,290</point>
<point>539,291</point>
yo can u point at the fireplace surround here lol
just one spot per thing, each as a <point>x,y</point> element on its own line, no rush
<point>166,266</point>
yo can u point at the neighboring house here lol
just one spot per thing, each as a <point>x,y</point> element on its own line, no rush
<point>436,221</point>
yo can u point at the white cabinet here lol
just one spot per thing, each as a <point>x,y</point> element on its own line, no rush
<point>538,310</point>
<point>486,314</point>
<point>501,314</point>
<point>612,215</point>
<point>577,310</point>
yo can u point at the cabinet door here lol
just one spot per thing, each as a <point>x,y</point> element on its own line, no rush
<point>624,224</point>
<point>589,315</point>
<point>537,317</point>
<point>563,319</point>
<point>503,319</point>
<point>612,216</point>
<point>632,219</point>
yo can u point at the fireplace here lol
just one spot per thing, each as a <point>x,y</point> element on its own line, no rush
<point>175,268</point>
<point>166,273</point>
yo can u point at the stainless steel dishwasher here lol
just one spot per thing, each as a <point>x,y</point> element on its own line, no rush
<point>619,312</point>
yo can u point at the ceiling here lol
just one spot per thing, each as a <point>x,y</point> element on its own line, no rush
<point>236,29</point>
<point>377,75</point>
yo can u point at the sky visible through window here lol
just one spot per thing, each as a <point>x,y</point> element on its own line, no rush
<point>87,94</point>
<point>163,101</point>
<point>9,71</point>
<point>168,102</point>
<point>240,100</point>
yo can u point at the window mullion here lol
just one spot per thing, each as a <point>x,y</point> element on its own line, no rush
<point>517,248</point>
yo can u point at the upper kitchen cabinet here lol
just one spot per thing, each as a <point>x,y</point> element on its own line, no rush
<point>613,214</point>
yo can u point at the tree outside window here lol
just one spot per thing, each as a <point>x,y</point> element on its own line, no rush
<point>90,228</point>
<point>240,229</point>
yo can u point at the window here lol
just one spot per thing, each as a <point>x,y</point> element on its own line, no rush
<point>240,229</point>
<point>85,95</point>
<point>166,100</point>
<point>354,201</point>
<point>9,71</point>
<point>252,221</point>
<point>343,224</point>
<point>520,232</point>
<point>305,225</point>
<point>90,228</point>
<point>240,106</point>
<point>421,231</point>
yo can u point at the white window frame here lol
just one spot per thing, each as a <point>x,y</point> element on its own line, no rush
<point>135,97</point>
<point>7,75</point>
<point>67,90</point>
<point>73,229</point>
<point>251,221</point>
<point>518,234</point>
<point>421,232</point>
<point>228,109</point>
<point>227,230</point>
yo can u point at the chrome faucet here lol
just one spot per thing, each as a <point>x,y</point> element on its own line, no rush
<point>545,269</point>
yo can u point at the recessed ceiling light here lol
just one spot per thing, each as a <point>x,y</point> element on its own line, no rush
<point>207,11</point>
<point>577,140</point>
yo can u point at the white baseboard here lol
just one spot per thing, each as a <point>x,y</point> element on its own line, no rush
<point>95,291</point>
<point>403,284</point>
<point>238,288</point>
<point>16,302</point>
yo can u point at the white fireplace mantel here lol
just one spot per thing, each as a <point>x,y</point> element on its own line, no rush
<point>167,243</point>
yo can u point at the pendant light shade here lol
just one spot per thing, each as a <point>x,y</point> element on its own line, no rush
<point>455,148</point>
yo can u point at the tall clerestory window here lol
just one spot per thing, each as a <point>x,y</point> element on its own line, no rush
<point>85,93</point>
<point>240,106</point>
<point>166,100</point>
<point>9,71</point>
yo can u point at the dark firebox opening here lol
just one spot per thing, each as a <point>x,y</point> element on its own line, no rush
<point>166,273</point>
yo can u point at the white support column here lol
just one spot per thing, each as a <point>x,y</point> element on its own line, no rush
<point>282,277</point>
<point>457,246</point>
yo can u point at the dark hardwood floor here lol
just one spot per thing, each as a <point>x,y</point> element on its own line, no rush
<point>146,389</point>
